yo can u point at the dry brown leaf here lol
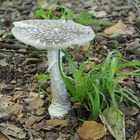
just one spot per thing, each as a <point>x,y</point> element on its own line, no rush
<point>17,95</point>
<point>52,7</point>
<point>131,123</point>
<point>35,103</point>
<point>40,111</point>
<point>12,130</point>
<point>137,135</point>
<point>4,114</point>
<point>99,14</point>
<point>131,17</point>
<point>84,47</point>
<point>2,32</point>
<point>91,130</point>
<point>15,108</point>
<point>138,138</point>
<point>119,28</point>
<point>43,4</point>
<point>40,125</point>
<point>127,70</point>
<point>56,122</point>
<point>50,124</point>
<point>5,101</point>
<point>132,111</point>
<point>15,14</point>
<point>3,137</point>
<point>3,62</point>
<point>32,120</point>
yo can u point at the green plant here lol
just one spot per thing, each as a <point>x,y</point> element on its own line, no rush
<point>85,18</point>
<point>41,78</point>
<point>98,88</point>
<point>40,12</point>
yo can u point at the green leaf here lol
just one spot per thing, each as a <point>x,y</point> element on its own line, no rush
<point>130,96</point>
<point>68,81</point>
<point>97,88</point>
<point>40,13</point>
<point>67,13</point>
<point>129,64</point>
<point>71,63</point>
<point>42,77</point>
<point>93,22</point>
<point>84,15</point>
<point>113,67</point>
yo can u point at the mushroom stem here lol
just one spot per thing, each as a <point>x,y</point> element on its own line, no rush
<point>60,103</point>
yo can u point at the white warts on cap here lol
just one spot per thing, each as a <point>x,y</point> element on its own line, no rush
<point>56,33</point>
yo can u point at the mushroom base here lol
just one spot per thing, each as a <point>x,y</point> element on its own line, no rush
<point>58,111</point>
<point>60,102</point>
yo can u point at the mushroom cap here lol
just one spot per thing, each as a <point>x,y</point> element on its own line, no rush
<point>52,34</point>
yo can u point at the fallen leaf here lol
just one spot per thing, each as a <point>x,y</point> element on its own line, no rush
<point>137,138</point>
<point>0,93</point>
<point>2,85</point>
<point>40,111</point>
<point>52,136</point>
<point>19,116</point>
<point>114,122</point>
<point>3,62</point>
<point>35,103</point>
<point>13,82</point>
<point>3,137</point>
<point>40,125</point>
<point>52,7</point>
<point>4,114</point>
<point>2,32</point>
<point>7,4</point>
<point>131,17</point>
<point>15,14</point>
<point>12,130</point>
<point>43,4</point>
<point>127,70</point>
<point>84,47</point>
<point>32,120</point>
<point>17,95</point>
<point>75,137</point>
<point>117,29</point>
<point>131,122</point>
<point>133,46</point>
<point>88,65</point>
<point>137,135</point>
<point>5,101</point>
<point>132,111</point>
<point>50,124</point>
<point>100,14</point>
<point>56,122</point>
<point>15,108</point>
<point>90,130</point>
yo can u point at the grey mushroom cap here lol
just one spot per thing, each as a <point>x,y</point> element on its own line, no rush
<point>52,34</point>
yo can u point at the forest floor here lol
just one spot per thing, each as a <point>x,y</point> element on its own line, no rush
<point>23,114</point>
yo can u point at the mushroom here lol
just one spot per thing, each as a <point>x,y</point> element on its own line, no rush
<point>53,35</point>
